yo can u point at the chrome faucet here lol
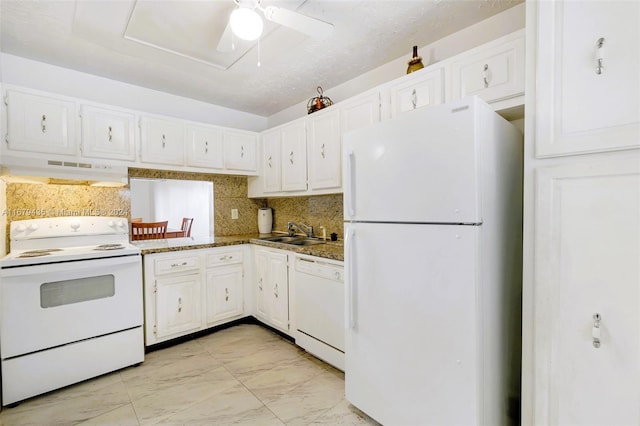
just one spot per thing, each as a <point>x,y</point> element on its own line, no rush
<point>301,227</point>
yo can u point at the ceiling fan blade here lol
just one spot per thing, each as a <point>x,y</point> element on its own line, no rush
<point>226,40</point>
<point>299,22</point>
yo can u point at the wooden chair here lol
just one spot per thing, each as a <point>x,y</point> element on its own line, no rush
<point>186,226</point>
<point>148,230</point>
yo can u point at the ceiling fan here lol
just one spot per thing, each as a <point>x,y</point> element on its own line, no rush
<point>245,23</point>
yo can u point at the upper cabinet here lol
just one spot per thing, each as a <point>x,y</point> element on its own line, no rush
<point>360,111</point>
<point>240,150</point>
<point>325,149</point>
<point>107,133</point>
<point>493,71</point>
<point>161,141</point>
<point>587,77</point>
<point>204,147</point>
<point>52,135</point>
<point>421,88</point>
<point>271,170</point>
<point>294,156</point>
<point>40,124</point>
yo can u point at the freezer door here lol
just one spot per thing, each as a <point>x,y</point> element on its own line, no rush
<point>412,346</point>
<point>418,167</point>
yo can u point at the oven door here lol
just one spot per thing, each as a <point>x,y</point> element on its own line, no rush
<point>48,305</point>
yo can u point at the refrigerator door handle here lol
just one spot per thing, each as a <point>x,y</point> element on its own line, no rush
<point>351,202</point>
<point>350,249</point>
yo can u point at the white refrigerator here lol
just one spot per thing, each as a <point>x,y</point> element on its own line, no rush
<point>433,237</point>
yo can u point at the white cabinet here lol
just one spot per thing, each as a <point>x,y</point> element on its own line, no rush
<point>325,149</point>
<point>418,89</point>
<point>161,141</point>
<point>40,124</point>
<point>581,281</point>
<point>204,146</point>
<point>240,150</point>
<point>173,285</point>
<point>271,161</point>
<point>272,287</point>
<point>224,285</point>
<point>107,133</point>
<point>493,71</point>
<point>360,111</point>
<point>583,108</point>
<point>294,156</point>
<point>587,251</point>
<point>191,290</point>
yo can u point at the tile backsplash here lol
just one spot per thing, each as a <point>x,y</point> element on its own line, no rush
<point>30,201</point>
<point>317,211</point>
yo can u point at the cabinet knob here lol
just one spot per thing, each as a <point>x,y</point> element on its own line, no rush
<point>322,151</point>
<point>414,98</point>
<point>291,157</point>
<point>595,331</point>
<point>43,123</point>
<point>110,134</point>
<point>486,75</point>
<point>164,140</point>
<point>600,55</point>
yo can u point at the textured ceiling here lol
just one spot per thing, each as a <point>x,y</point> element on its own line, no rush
<point>98,37</point>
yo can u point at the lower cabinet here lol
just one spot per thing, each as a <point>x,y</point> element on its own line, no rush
<point>272,290</point>
<point>224,296</point>
<point>188,291</point>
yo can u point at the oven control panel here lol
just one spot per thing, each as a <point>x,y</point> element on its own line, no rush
<point>68,227</point>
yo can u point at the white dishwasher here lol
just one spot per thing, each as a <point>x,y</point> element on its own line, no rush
<point>319,296</point>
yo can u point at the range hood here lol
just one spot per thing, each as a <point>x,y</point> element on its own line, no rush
<point>68,170</point>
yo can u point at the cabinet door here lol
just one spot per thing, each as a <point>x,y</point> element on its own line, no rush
<point>162,141</point>
<point>204,147</point>
<point>177,305</point>
<point>240,150</point>
<point>279,291</point>
<point>224,293</point>
<point>360,112</point>
<point>325,150</point>
<point>294,156</point>
<point>262,283</point>
<point>587,251</point>
<point>40,124</point>
<point>420,88</point>
<point>493,72</point>
<point>579,106</point>
<point>107,133</point>
<point>271,165</point>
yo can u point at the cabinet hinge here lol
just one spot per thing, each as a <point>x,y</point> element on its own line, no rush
<point>155,286</point>
<point>6,99</point>
<point>6,138</point>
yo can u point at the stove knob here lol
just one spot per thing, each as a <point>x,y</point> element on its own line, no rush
<point>111,224</point>
<point>122,224</point>
<point>32,226</point>
<point>20,228</point>
<point>75,225</point>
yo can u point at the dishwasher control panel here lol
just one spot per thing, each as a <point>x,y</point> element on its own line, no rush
<point>320,269</point>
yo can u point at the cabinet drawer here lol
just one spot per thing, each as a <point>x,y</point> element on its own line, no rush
<point>176,264</point>
<point>224,258</point>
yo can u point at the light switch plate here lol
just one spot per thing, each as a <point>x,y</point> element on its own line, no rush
<point>234,213</point>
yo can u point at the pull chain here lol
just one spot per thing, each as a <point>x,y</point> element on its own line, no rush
<point>259,53</point>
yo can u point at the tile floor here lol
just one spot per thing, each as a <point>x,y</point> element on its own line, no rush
<point>245,374</point>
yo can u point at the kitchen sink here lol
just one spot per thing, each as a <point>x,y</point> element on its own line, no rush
<point>283,239</point>
<point>297,240</point>
<point>306,242</point>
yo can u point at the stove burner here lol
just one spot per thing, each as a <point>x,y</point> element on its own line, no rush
<point>109,247</point>
<point>37,253</point>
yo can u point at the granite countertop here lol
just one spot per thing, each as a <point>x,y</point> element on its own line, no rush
<point>331,250</point>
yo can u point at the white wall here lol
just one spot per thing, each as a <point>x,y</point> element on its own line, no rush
<point>24,72</point>
<point>157,200</point>
<point>504,23</point>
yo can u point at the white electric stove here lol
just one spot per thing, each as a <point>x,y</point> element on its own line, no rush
<point>71,304</point>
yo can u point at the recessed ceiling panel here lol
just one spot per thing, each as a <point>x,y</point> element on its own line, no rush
<point>188,28</point>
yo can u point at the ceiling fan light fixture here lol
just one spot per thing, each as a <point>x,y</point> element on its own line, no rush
<point>246,23</point>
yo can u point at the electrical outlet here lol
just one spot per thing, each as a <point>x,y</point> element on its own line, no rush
<point>234,213</point>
